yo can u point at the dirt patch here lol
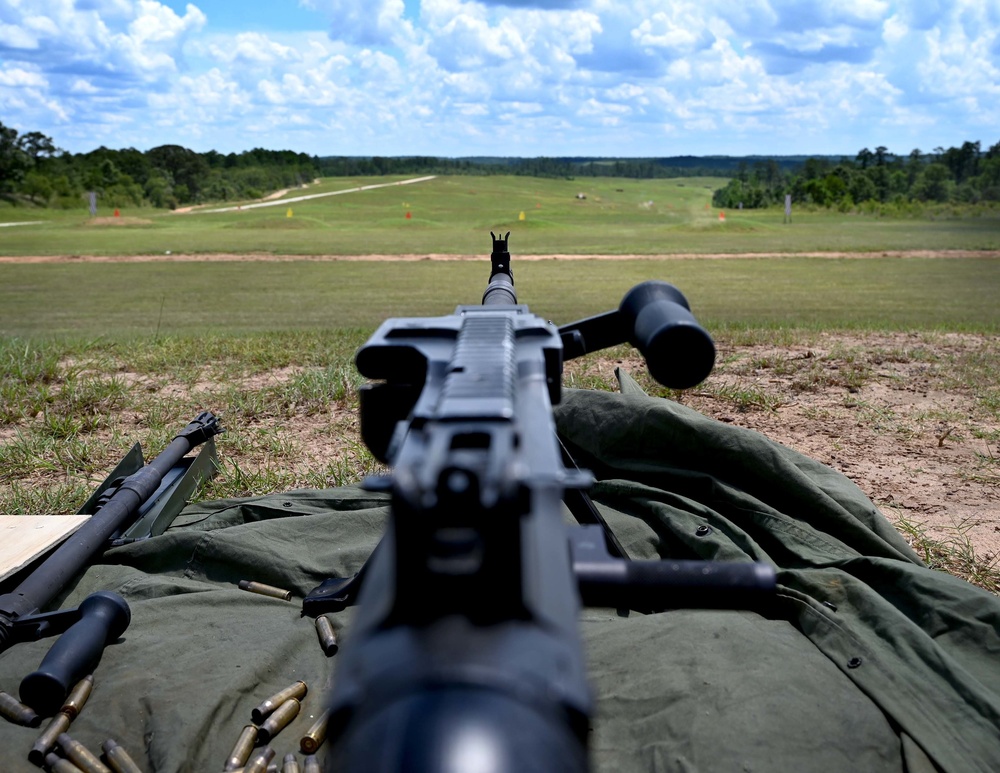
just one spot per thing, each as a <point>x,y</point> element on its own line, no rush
<point>230,257</point>
<point>901,415</point>
<point>120,220</point>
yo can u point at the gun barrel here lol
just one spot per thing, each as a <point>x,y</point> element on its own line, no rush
<point>47,580</point>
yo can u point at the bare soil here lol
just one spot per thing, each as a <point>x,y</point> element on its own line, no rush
<point>885,409</point>
<point>119,220</point>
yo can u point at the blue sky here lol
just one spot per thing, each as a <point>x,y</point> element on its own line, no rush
<point>511,78</point>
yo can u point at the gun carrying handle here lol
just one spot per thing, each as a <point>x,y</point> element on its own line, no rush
<point>104,617</point>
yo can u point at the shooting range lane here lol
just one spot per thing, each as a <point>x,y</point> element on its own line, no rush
<point>178,688</point>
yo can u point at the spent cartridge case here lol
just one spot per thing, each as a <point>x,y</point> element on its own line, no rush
<point>316,734</point>
<point>47,740</point>
<point>260,761</point>
<point>271,768</point>
<point>58,764</point>
<point>117,758</point>
<point>241,751</point>
<point>80,755</point>
<point>277,722</point>
<point>327,636</point>
<point>78,697</point>
<point>265,590</point>
<point>14,711</point>
<point>290,764</point>
<point>311,765</point>
<point>297,690</point>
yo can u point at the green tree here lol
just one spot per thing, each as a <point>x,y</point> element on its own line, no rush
<point>862,188</point>
<point>934,183</point>
<point>36,145</point>
<point>14,162</point>
<point>37,187</point>
<point>186,168</point>
<point>159,191</point>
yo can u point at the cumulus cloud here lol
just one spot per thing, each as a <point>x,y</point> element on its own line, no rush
<point>138,39</point>
<point>364,22</point>
<point>18,77</point>
<point>507,76</point>
<point>252,47</point>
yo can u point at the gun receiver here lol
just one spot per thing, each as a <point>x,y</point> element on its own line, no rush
<point>465,653</point>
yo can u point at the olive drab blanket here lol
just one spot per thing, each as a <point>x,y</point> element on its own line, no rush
<point>866,660</point>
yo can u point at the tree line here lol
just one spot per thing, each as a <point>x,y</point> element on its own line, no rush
<point>636,168</point>
<point>963,174</point>
<point>34,171</point>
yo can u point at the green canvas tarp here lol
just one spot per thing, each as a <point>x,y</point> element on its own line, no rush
<point>867,660</point>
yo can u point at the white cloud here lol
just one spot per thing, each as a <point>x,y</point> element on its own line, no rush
<point>592,76</point>
<point>155,23</point>
<point>894,29</point>
<point>682,29</point>
<point>138,39</point>
<point>18,77</point>
<point>83,86</point>
<point>14,36</point>
<point>364,22</point>
<point>253,47</point>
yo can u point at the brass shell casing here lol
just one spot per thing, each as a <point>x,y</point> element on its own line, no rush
<point>265,590</point>
<point>316,734</point>
<point>118,759</point>
<point>81,756</point>
<point>297,691</point>
<point>311,765</point>
<point>241,751</point>
<point>277,722</point>
<point>13,710</point>
<point>58,764</point>
<point>47,740</point>
<point>260,761</point>
<point>78,697</point>
<point>290,764</point>
<point>327,636</point>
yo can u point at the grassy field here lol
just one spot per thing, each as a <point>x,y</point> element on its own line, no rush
<point>122,300</point>
<point>94,356</point>
<point>453,215</point>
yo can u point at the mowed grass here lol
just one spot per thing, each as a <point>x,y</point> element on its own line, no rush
<point>453,215</point>
<point>125,300</point>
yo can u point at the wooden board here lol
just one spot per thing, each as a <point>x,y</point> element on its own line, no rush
<point>25,537</point>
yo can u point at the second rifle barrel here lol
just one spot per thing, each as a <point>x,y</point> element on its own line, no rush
<point>47,580</point>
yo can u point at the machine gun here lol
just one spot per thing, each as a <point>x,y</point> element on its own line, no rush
<point>465,653</point>
<point>136,501</point>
